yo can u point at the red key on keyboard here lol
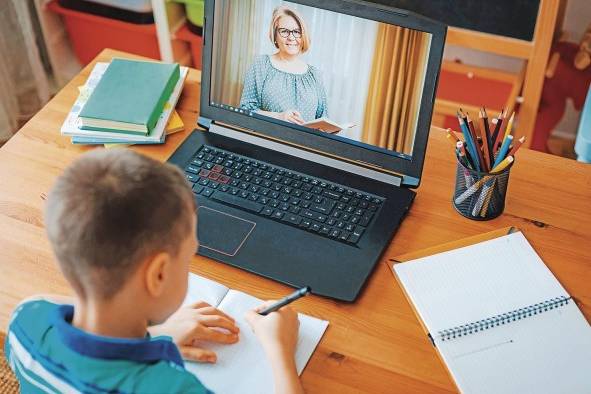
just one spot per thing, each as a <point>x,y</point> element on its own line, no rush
<point>217,168</point>
<point>214,175</point>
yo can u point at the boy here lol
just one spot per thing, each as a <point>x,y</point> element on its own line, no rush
<point>122,227</point>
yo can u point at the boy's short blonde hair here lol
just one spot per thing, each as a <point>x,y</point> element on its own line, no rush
<point>282,11</point>
<point>109,211</point>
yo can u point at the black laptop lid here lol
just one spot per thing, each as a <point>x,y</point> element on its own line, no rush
<point>297,71</point>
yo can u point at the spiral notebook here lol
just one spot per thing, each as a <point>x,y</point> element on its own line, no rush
<point>500,320</point>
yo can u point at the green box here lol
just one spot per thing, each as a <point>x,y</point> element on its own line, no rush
<point>195,10</point>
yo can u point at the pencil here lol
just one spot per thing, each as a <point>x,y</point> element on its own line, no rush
<point>497,130</point>
<point>503,164</point>
<point>504,149</point>
<point>476,144</point>
<point>486,139</point>
<point>509,126</point>
<point>487,199</point>
<point>449,137</point>
<point>516,146</point>
<point>469,143</point>
<point>463,155</point>
<point>482,197</point>
<point>471,190</point>
<point>452,136</point>
<point>489,135</point>
<point>461,151</point>
<point>463,160</point>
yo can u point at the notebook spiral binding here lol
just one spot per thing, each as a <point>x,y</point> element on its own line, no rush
<point>518,314</point>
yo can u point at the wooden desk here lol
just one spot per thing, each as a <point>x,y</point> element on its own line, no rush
<point>375,345</point>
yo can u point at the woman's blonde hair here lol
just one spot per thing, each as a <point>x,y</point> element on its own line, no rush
<point>286,11</point>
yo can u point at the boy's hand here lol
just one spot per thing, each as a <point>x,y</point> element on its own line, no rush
<point>278,331</point>
<point>198,322</point>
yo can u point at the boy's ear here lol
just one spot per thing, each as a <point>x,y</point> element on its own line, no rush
<point>155,273</point>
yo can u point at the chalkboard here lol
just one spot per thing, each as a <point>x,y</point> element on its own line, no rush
<point>509,18</point>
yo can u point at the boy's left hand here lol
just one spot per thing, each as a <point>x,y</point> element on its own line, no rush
<point>198,322</point>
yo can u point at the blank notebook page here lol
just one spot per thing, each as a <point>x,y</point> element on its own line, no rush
<point>203,289</point>
<point>543,353</point>
<point>478,281</point>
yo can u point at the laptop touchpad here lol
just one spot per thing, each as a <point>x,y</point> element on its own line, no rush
<point>222,232</point>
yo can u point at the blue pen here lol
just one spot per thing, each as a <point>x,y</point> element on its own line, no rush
<point>504,149</point>
<point>470,143</point>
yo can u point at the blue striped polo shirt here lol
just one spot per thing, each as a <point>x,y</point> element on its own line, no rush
<point>49,355</point>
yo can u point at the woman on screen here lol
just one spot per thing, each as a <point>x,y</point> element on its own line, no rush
<point>283,85</point>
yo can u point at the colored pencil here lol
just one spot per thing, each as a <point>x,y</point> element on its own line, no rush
<point>469,143</point>
<point>497,130</point>
<point>486,138</point>
<point>503,151</point>
<point>451,135</point>
<point>516,146</point>
<point>461,152</point>
<point>487,199</point>
<point>508,129</point>
<point>489,135</point>
<point>469,159</point>
<point>474,135</point>
<point>503,164</point>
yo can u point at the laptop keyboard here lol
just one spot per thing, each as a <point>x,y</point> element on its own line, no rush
<point>309,203</point>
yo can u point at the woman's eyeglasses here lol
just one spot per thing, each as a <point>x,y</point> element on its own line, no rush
<point>286,32</point>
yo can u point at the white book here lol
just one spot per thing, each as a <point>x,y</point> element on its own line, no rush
<point>326,125</point>
<point>499,318</point>
<point>242,367</point>
<point>71,126</point>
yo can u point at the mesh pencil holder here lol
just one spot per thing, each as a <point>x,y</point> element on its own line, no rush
<point>480,195</point>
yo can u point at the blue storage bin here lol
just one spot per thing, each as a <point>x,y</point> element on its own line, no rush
<point>583,144</point>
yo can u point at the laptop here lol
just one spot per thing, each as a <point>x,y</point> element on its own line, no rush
<point>314,121</point>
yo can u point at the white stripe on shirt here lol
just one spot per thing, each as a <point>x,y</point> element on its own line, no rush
<point>24,358</point>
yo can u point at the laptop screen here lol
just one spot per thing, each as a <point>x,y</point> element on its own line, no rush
<point>332,74</point>
<point>328,73</point>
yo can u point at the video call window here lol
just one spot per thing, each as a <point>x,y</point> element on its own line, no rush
<point>332,73</point>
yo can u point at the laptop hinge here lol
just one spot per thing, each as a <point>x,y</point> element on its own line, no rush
<point>204,122</point>
<point>252,137</point>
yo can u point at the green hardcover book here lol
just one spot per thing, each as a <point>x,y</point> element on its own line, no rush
<point>130,96</point>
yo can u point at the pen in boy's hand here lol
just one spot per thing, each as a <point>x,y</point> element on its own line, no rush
<point>304,291</point>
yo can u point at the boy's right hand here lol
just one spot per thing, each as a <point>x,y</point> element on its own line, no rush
<point>278,331</point>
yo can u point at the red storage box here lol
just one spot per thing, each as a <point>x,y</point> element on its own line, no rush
<point>195,41</point>
<point>90,34</point>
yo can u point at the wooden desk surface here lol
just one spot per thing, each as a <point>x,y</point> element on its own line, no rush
<point>375,345</point>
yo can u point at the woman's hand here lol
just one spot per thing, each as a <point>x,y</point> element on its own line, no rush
<point>291,116</point>
<point>198,322</point>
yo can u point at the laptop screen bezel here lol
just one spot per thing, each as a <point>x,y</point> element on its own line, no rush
<point>352,151</point>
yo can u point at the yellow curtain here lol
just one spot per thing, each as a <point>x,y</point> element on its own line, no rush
<point>237,32</point>
<point>395,88</point>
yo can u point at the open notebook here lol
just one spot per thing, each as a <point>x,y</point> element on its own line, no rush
<point>242,367</point>
<point>499,318</point>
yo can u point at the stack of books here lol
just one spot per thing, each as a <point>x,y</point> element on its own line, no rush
<point>127,102</point>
